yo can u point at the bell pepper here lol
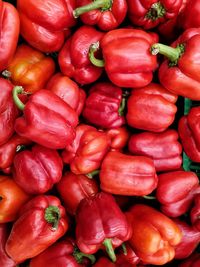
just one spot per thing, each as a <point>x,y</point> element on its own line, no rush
<point>68,90</point>
<point>73,58</point>
<point>30,68</point>
<point>12,197</point>
<point>41,222</point>
<point>179,72</point>
<point>163,148</point>
<point>5,261</point>
<point>122,51</point>
<point>119,137</point>
<point>103,261</point>
<point>43,24</point>
<point>154,235</point>
<point>99,225</point>
<point>176,190</point>
<point>127,256</point>
<point>73,188</point>
<point>48,120</point>
<point>127,175</point>
<point>36,171</point>
<point>195,212</point>
<point>192,261</point>
<point>106,14</point>
<point>151,108</point>
<point>87,150</point>
<point>104,106</point>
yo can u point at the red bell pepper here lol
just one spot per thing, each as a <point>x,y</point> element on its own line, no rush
<point>128,175</point>
<point>106,14</point>
<point>119,137</point>
<point>100,225</point>
<point>192,261</point>
<point>43,24</point>
<point>73,58</point>
<point>5,261</point>
<point>73,188</point>
<point>103,261</point>
<point>163,148</point>
<point>36,171</point>
<point>150,13</point>
<point>87,151</point>
<point>30,68</point>
<point>104,106</point>
<point>41,222</point>
<point>122,51</point>
<point>195,212</point>
<point>154,235</point>
<point>127,256</point>
<point>68,90</point>
<point>48,120</point>
<point>179,73</point>
<point>151,108</point>
<point>176,190</point>
<point>12,197</point>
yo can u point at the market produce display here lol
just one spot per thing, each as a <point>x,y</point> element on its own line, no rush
<point>99,133</point>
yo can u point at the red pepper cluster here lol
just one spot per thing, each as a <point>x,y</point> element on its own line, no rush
<point>99,159</point>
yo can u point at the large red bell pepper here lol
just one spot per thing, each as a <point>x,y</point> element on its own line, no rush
<point>163,148</point>
<point>190,16</point>
<point>100,223</point>
<point>151,108</point>
<point>106,14</point>
<point>179,73</point>
<point>176,190</point>
<point>73,58</point>
<point>119,137</point>
<point>41,222</point>
<point>9,27</point>
<point>195,212</point>
<point>192,261</point>
<point>48,120</point>
<point>128,175</point>
<point>43,24</point>
<point>122,51</point>
<point>5,261</point>
<point>104,106</point>
<point>154,234</point>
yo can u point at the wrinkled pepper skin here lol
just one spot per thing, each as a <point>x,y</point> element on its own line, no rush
<point>100,225</point>
<point>41,222</point>
<point>30,68</point>
<point>48,120</point>
<point>151,108</point>
<point>119,137</point>
<point>149,14</point>
<point>163,148</point>
<point>103,106</point>
<point>192,261</point>
<point>73,58</point>
<point>195,212</point>
<point>5,261</point>
<point>73,188</point>
<point>176,190</point>
<point>128,175</point>
<point>12,197</point>
<point>9,27</point>
<point>154,235</point>
<point>38,169</point>
<point>87,150</point>
<point>43,24</point>
<point>108,17</point>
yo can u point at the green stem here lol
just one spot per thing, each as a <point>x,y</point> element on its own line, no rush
<point>80,255</point>
<point>52,215</point>
<point>96,4</point>
<point>6,74</point>
<point>95,61</point>
<point>156,11</point>
<point>122,107</point>
<point>92,174</point>
<point>149,197</point>
<point>16,91</point>
<point>109,249</point>
<point>124,249</point>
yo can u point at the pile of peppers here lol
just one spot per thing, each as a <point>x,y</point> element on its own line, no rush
<point>94,135</point>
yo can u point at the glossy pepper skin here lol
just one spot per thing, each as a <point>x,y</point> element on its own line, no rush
<point>73,188</point>
<point>119,137</point>
<point>30,68</point>
<point>154,234</point>
<point>122,50</point>
<point>12,197</point>
<point>195,212</point>
<point>176,190</point>
<point>87,150</point>
<point>44,24</point>
<point>42,221</point>
<point>128,175</point>
<point>103,261</point>
<point>151,108</point>
<point>104,106</point>
<point>106,14</point>
<point>73,58</point>
<point>100,225</point>
<point>38,169</point>
<point>192,261</point>
<point>5,261</point>
<point>179,73</point>
<point>47,119</point>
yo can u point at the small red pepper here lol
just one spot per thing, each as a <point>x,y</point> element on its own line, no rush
<point>119,137</point>
<point>5,261</point>
<point>195,212</point>
<point>127,256</point>
<point>192,261</point>
<point>103,261</point>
